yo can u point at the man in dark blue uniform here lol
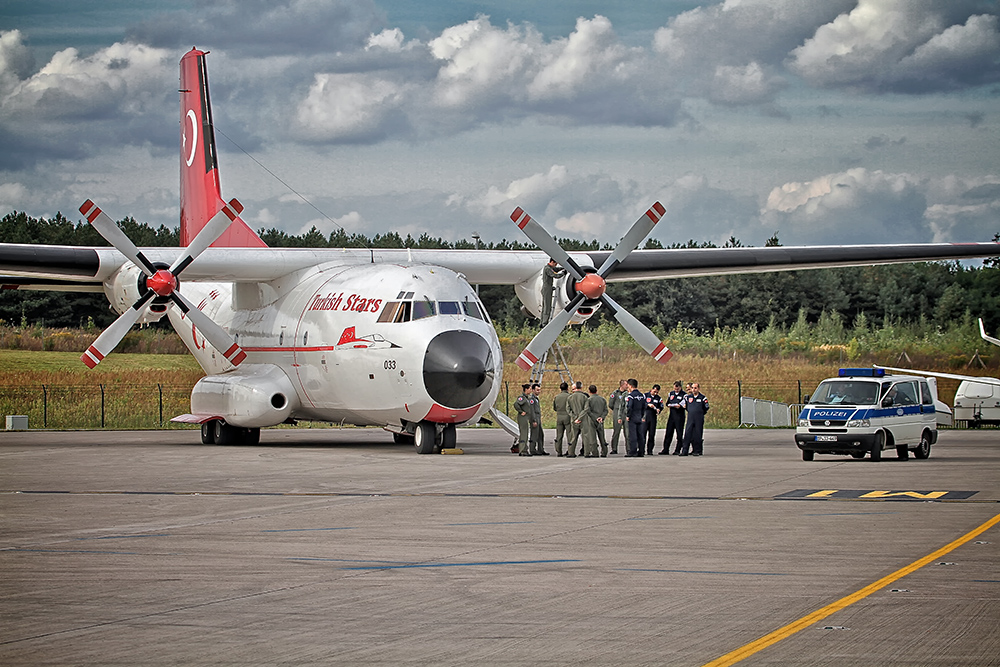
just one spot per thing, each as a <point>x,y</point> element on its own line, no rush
<point>635,412</point>
<point>696,404</point>
<point>675,419</point>
<point>654,406</point>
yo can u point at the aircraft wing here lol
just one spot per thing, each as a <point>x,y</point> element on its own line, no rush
<point>91,265</point>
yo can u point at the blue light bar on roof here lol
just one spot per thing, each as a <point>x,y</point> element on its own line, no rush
<point>862,372</point>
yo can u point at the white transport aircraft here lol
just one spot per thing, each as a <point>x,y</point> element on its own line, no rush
<point>395,338</point>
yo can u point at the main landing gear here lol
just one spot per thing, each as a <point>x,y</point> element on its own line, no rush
<point>431,438</point>
<point>218,432</point>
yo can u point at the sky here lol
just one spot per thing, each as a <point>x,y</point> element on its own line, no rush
<point>821,121</point>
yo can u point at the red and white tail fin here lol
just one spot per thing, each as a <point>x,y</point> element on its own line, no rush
<point>201,196</point>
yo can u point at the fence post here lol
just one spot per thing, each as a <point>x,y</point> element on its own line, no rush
<point>45,407</point>
<point>800,391</point>
<point>159,388</point>
<point>739,403</point>
<point>102,406</point>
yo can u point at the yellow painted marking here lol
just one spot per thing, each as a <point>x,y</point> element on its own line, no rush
<point>822,494</point>
<point>913,494</point>
<point>753,647</point>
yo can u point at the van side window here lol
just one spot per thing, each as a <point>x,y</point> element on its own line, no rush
<point>925,393</point>
<point>906,393</point>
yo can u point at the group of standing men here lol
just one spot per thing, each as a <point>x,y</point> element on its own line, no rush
<point>632,412</point>
<point>637,412</point>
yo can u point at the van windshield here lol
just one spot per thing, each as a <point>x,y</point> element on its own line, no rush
<point>845,392</point>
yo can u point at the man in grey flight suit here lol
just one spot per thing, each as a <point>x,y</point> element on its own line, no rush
<point>560,404</point>
<point>577,408</point>
<point>524,413</point>
<point>549,274</point>
<point>597,410</point>
<point>616,403</point>
<point>537,434</point>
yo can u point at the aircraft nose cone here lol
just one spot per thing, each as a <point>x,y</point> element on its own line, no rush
<point>458,369</point>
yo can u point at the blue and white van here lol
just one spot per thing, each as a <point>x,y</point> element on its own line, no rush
<point>865,411</point>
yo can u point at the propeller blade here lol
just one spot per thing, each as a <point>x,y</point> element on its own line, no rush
<point>212,332</point>
<point>110,337</point>
<point>212,230</point>
<point>544,339</point>
<point>546,243</point>
<point>640,230</point>
<point>646,339</point>
<point>107,228</point>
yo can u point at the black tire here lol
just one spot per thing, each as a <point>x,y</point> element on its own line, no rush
<point>902,452</point>
<point>449,437</point>
<point>424,437</point>
<point>808,455</point>
<point>251,436</point>
<point>858,455</point>
<point>923,450</point>
<point>877,446</point>
<point>208,432</point>
<point>226,435</point>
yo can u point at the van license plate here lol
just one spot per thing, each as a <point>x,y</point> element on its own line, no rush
<point>826,438</point>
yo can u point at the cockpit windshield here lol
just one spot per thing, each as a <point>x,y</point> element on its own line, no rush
<point>845,392</point>
<point>418,309</point>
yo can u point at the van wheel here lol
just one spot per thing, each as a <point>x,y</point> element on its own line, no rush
<point>858,455</point>
<point>877,446</point>
<point>923,450</point>
<point>808,455</point>
<point>902,452</point>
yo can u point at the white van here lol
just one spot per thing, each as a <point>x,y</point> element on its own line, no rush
<point>977,404</point>
<point>865,411</point>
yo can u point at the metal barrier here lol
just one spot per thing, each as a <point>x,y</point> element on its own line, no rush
<point>757,412</point>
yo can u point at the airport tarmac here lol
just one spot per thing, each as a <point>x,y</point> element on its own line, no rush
<point>336,547</point>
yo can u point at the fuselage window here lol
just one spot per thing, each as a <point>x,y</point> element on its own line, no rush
<point>281,338</point>
<point>449,308</point>
<point>422,309</point>
<point>305,339</point>
<point>471,309</point>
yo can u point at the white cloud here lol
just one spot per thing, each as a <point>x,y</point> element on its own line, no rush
<point>903,45</point>
<point>352,107</point>
<point>13,196</point>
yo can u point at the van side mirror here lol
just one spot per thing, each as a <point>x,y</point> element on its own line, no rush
<point>806,399</point>
<point>887,402</point>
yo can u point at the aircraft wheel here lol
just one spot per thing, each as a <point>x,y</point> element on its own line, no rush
<point>449,437</point>
<point>208,432</point>
<point>923,450</point>
<point>902,452</point>
<point>251,436</point>
<point>877,446</point>
<point>226,435</point>
<point>423,438</point>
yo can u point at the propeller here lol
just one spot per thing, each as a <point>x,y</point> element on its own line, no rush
<point>591,286</point>
<point>162,283</point>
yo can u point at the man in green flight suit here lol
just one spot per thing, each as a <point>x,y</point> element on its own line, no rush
<point>563,426</point>
<point>524,414</point>
<point>577,408</point>
<point>537,434</point>
<point>616,403</point>
<point>597,410</point>
<point>550,273</point>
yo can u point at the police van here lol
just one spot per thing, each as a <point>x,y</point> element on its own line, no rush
<point>866,411</point>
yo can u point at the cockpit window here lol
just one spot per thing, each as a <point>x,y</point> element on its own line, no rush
<point>395,311</point>
<point>449,308</point>
<point>422,309</point>
<point>471,309</point>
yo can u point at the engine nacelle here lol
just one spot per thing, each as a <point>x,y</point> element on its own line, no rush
<point>251,396</point>
<point>122,290</point>
<point>529,293</point>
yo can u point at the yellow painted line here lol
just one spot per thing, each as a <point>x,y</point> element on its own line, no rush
<point>822,494</point>
<point>753,647</point>
<point>912,494</point>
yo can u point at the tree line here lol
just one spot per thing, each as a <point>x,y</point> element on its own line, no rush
<point>939,294</point>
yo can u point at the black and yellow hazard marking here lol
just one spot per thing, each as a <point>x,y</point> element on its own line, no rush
<point>753,647</point>
<point>875,494</point>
